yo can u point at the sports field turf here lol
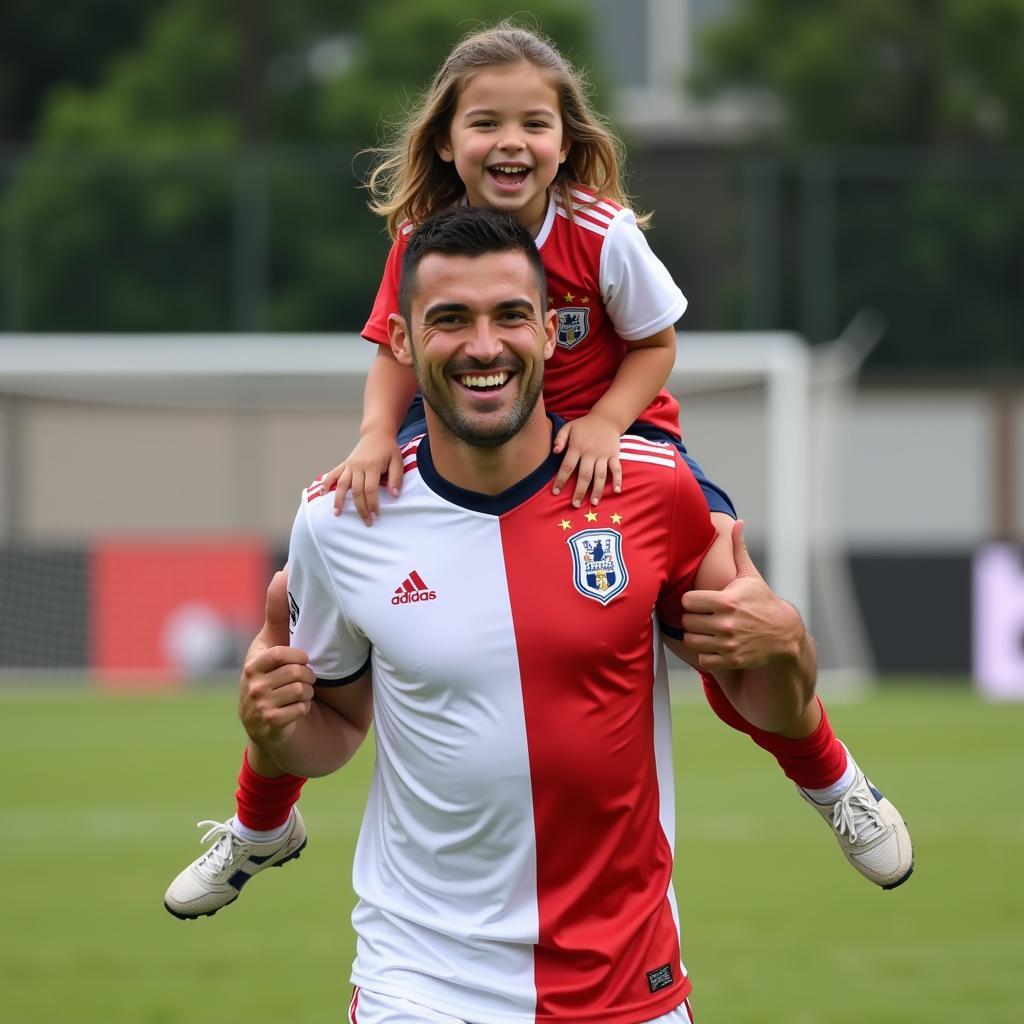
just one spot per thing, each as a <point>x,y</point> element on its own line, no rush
<point>100,795</point>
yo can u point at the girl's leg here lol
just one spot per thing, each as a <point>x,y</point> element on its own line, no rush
<point>266,831</point>
<point>870,831</point>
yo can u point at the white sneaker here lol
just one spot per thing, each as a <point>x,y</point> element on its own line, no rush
<point>870,832</point>
<point>216,878</point>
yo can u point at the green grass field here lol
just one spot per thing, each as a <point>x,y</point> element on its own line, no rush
<point>101,794</point>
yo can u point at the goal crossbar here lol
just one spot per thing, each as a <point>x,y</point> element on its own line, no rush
<point>275,370</point>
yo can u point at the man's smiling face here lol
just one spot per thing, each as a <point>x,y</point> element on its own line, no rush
<point>479,338</point>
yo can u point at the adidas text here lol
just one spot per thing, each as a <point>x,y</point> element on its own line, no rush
<point>416,595</point>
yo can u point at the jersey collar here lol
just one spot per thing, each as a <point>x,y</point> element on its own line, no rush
<point>549,220</point>
<point>489,504</point>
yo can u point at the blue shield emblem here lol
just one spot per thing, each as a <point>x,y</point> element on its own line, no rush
<point>599,570</point>
<point>573,326</point>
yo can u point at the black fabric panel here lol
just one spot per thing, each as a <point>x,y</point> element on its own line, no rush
<point>44,608</point>
<point>917,610</point>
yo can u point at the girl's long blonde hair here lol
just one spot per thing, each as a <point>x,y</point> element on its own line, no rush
<point>412,182</point>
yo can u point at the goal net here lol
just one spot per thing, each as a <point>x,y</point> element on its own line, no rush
<point>148,485</point>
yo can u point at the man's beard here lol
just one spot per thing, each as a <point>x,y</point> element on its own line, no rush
<point>468,428</point>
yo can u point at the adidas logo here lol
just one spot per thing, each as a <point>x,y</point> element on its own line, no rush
<point>412,590</point>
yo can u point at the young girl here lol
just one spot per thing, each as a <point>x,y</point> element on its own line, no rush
<point>506,124</point>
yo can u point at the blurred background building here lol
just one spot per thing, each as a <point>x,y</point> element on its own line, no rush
<point>182,169</point>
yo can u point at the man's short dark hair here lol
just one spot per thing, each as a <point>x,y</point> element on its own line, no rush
<point>467,231</point>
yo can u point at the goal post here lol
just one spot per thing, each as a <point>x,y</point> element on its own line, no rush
<point>781,361</point>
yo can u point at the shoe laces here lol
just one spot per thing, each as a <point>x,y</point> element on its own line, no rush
<point>221,854</point>
<point>855,814</point>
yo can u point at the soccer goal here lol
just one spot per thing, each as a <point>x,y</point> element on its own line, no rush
<point>204,439</point>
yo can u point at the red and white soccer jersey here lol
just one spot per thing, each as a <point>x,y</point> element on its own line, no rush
<point>608,288</point>
<point>515,858</point>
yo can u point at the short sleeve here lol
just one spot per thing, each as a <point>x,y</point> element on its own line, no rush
<point>637,290</point>
<point>386,302</point>
<point>338,653</point>
<point>692,535</point>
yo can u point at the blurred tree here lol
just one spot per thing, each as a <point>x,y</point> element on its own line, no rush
<point>874,71</point>
<point>39,49</point>
<point>920,105</point>
<point>211,181</point>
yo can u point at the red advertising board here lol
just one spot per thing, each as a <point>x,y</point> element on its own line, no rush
<point>164,611</point>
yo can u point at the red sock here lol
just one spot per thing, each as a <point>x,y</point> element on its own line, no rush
<point>264,803</point>
<point>813,762</point>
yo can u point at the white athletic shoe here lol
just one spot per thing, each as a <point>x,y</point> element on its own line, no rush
<point>216,878</point>
<point>870,832</point>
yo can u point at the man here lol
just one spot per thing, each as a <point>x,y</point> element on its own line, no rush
<point>515,859</point>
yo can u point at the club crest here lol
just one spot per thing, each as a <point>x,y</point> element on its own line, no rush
<point>599,570</point>
<point>573,326</point>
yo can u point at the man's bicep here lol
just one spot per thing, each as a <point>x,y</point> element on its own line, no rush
<point>726,678</point>
<point>678,648</point>
<point>353,701</point>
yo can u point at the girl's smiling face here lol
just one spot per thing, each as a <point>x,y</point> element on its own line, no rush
<point>507,142</point>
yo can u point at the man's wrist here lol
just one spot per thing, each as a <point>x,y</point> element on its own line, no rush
<point>271,747</point>
<point>803,656</point>
<point>794,634</point>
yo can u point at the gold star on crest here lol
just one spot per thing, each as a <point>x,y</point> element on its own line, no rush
<point>565,524</point>
<point>569,297</point>
<point>585,298</point>
<point>616,518</point>
<point>591,517</point>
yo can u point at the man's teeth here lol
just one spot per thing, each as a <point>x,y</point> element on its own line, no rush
<point>492,380</point>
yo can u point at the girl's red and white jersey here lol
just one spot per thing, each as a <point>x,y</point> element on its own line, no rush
<point>514,862</point>
<point>608,288</point>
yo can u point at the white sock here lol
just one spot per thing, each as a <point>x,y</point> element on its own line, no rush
<point>830,794</point>
<point>252,835</point>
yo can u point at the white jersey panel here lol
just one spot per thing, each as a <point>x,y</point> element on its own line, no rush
<point>445,866</point>
<point>637,290</point>
<point>663,747</point>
